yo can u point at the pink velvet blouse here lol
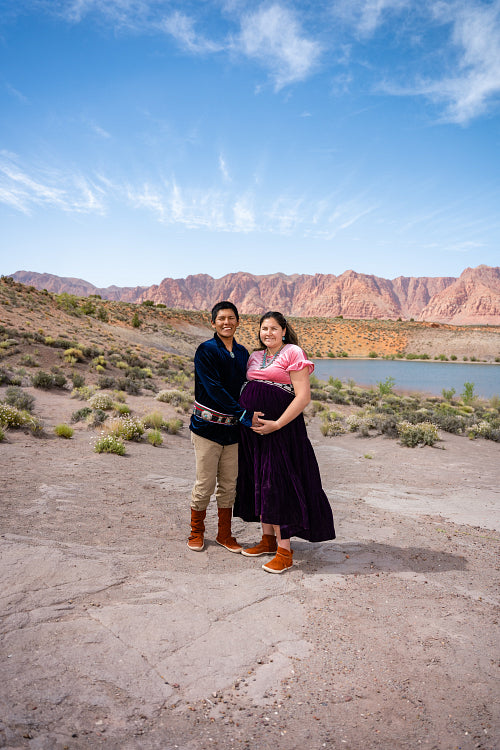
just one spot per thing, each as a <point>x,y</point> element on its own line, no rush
<point>290,359</point>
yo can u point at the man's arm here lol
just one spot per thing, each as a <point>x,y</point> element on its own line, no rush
<point>220,400</point>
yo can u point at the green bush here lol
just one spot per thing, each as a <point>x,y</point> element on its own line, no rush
<point>121,409</point>
<point>81,414</point>
<point>77,380</point>
<point>176,398</point>
<point>2,435</point>
<point>332,423</point>
<point>16,396</point>
<point>11,416</point>
<point>101,401</point>
<point>386,386</point>
<point>154,420</point>
<point>128,428</point>
<point>154,437</point>
<point>96,418</point>
<point>423,433</point>
<point>64,431</point>
<point>173,426</point>
<point>84,392</point>
<point>110,444</point>
<point>28,360</point>
<point>43,380</point>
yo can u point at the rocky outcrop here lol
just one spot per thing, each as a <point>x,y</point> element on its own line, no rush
<point>472,298</point>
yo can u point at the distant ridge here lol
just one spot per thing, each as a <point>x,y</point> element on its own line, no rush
<point>472,298</point>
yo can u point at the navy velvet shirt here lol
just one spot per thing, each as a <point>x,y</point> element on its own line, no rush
<point>218,378</point>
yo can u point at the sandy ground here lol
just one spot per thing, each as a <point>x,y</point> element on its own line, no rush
<point>115,635</point>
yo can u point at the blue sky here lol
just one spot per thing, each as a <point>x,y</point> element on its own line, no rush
<point>143,139</point>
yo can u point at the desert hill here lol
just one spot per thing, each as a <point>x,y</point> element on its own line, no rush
<point>34,317</point>
<point>473,298</point>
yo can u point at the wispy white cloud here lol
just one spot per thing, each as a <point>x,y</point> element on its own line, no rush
<point>47,188</point>
<point>273,36</point>
<point>16,94</point>
<point>182,28</point>
<point>367,15</point>
<point>223,169</point>
<point>475,83</point>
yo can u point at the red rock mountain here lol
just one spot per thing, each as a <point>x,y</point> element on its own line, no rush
<point>472,298</point>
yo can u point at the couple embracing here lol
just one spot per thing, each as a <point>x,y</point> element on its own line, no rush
<point>250,440</point>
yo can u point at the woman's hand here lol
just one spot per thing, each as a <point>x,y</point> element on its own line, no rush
<point>266,426</point>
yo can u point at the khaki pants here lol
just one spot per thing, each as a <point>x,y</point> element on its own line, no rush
<point>215,464</point>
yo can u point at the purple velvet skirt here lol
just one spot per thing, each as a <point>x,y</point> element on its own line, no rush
<point>278,475</point>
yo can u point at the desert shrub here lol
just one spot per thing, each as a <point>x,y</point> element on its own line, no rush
<point>106,381</point>
<point>60,379</point>
<point>121,408</point>
<point>28,360</point>
<point>43,380</point>
<point>332,424</point>
<point>448,394</point>
<point>5,377</point>
<point>101,401</point>
<point>316,406</point>
<point>73,355</point>
<point>176,398</point>
<point>173,426</point>
<point>129,385</point>
<point>423,433</point>
<point>64,431</point>
<point>81,414</point>
<point>18,397</point>
<point>386,424</point>
<point>128,428</point>
<point>77,380</point>
<point>11,416</point>
<point>154,420</point>
<point>373,355</point>
<point>99,361</point>
<point>110,444</point>
<point>96,418</point>
<point>318,395</point>
<point>119,396</point>
<point>2,435</point>
<point>83,392</point>
<point>154,437</point>
<point>449,422</point>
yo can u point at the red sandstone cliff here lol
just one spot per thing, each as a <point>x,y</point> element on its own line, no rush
<point>472,298</point>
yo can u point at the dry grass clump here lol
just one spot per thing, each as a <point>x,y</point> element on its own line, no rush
<point>64,431</point>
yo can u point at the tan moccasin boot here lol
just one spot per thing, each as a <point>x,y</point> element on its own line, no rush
<point>281,562</point>
<point>224,537</point>
<point>267,546</point>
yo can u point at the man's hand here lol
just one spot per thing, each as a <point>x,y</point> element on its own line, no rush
<point>255,419</point>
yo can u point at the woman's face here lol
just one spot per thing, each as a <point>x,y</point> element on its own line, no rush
<point>271,334</point>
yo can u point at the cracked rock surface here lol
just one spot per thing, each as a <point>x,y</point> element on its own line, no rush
<point>115,635</point>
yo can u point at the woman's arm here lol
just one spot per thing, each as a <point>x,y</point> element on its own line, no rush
<point>302,388</point>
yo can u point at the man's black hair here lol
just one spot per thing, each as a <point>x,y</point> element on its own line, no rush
<point>225,305</point>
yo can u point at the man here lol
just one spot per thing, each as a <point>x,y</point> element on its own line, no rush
<point>220,371</point>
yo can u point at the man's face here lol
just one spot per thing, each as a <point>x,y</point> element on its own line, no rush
<point>225,324</point>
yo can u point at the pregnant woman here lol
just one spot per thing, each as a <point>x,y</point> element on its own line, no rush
<point>278,480</point>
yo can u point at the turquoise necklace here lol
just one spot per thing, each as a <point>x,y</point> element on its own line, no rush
<point>266,362</point>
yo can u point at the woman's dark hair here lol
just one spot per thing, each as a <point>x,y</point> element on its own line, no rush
<point>290,335</point>
<point>225,305</point>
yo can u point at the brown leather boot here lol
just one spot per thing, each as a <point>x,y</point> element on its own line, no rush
<point>280,563</point>
<point>224,537</point>
<point>196,541</point>
<point>267,546</point>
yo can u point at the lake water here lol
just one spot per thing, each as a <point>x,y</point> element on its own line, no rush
<point>425,377</point>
